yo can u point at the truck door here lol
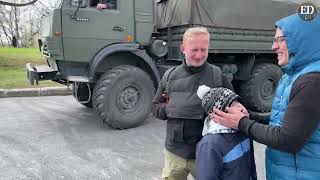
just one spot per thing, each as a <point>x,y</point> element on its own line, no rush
<point>87,31</point>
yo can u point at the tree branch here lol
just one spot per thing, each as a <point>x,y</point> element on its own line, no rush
<point>18,4</point>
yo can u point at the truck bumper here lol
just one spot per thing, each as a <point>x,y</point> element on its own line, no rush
<point>39,73</point>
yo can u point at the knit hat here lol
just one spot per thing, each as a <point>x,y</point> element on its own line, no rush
<point>218,98</point>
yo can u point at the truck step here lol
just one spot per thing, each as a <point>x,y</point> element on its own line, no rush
<point>78,78</point>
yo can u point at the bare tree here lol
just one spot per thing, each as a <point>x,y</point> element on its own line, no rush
<point>16,18</point>
<point>2,43</point>
<point>18,4</point>
<point>23,23</point>
<point>31,28</point>
<point>3,23</point>
<point>10,22</point>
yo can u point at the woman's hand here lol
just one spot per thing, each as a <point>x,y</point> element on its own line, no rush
<point>231,118</point>
<point>240,107</point>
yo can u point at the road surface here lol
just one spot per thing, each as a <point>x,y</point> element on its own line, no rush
<point>57,138</point>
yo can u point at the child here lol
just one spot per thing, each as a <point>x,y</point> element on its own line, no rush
<point>222,153</point>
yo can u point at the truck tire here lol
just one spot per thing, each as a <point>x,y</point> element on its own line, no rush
<point>123,97</point>
<point>83,95</point>
<point>257,93</point>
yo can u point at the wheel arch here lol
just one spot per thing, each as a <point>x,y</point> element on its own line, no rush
<point>245,64</point>
<point>122,54</point>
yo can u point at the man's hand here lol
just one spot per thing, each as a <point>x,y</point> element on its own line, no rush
<point>101,6</point>
<point>164,99</point>
<point>230,119</point>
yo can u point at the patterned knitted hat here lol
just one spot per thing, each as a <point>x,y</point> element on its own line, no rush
<point>218,98</point>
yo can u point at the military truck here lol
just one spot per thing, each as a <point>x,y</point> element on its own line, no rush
<point>114,58</point>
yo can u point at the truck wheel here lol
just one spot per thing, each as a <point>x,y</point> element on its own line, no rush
<point>83,94</point>
<point>123,96</point>
<point>257,93</point>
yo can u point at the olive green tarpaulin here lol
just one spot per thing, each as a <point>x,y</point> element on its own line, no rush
<point>240,14</point>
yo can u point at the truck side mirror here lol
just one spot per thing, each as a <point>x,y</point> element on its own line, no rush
<point>79,3</point>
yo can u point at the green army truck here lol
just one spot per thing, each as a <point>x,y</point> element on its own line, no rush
<point>114,58</point>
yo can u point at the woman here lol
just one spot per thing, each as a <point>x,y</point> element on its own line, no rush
<point>293,134</point>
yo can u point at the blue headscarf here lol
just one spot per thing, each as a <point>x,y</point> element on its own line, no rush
<point>303,41</point>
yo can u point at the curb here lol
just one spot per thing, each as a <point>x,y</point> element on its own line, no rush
<point>29,92</point>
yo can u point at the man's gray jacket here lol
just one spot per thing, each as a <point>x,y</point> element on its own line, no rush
<point>183,111</point>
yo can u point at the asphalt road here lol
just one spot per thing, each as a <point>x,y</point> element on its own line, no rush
<point>57,138</point>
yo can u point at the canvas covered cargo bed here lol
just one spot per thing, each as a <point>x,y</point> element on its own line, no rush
<point>235,26</point>
<point>240,14</point>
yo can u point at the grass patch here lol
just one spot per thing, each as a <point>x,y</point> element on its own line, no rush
<point>12,67</point>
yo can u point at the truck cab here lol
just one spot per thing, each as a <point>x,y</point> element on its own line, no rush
<point>102,54</point>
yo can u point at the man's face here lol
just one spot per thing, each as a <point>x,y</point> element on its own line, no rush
<point>280,47</point>
<point>195,48</point>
